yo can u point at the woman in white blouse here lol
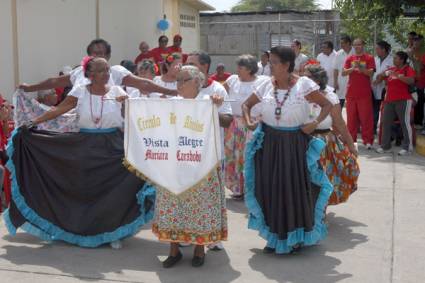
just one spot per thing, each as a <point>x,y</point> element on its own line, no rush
<point>239,87</point>
<point>281,159</point>
<point>73,186</point>
<point>169,69</point>
<point>175,221</point>
<point>339,159</point>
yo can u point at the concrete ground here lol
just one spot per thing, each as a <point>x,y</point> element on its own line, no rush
<point>378,236</point>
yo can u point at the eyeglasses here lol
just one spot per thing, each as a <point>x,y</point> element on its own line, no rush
<point>182,80</point>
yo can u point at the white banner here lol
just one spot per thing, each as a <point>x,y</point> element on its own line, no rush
<point>174,143</point>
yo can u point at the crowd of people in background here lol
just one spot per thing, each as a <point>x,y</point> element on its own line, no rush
<point>281,113</point>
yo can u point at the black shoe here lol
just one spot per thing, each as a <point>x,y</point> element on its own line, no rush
<point>198,261</point>
<point>172,260</point>
<point>268,250</point>
<point>296,249</point>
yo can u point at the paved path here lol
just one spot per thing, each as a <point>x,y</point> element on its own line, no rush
<point>378,236</point>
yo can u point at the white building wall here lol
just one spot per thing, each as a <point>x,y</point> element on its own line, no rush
<point>6,49</point>
<point>52,34</point>
<point>191,36</point>
<point>125,23</point>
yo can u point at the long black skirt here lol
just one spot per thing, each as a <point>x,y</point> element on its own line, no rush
<point>287,192</point>
<point>73,187</point>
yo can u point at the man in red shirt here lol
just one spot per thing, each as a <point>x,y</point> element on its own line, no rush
<point>359,68</point>
<point>220,75</point>
<point>161,52</point>
<point>144,53</point>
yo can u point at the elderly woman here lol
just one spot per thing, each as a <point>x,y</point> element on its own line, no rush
<point>28,107</point>
<point>339,159</point>
<point>169,69</point>
<point>281,159</point>
<point>239,87</point>
<point>73,187</point>
<point>174,220</point>
<point>146,69</point>
<point>47,97</point>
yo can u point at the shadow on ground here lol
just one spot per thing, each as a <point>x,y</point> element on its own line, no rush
<point>96,264</point>
<point>312,264</point>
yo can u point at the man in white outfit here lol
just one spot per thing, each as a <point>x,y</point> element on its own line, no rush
<point>383,61</point>
<point>340,82</point>
<point>326,59</point>
<point>264,65</point>
<point>300,58</point>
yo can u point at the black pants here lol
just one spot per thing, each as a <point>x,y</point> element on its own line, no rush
<point>401,110</point>
<point>419,108</point>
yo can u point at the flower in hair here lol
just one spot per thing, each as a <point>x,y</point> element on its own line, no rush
<point>170,59</point>
<point>312,62</point>
<point>86,60</point>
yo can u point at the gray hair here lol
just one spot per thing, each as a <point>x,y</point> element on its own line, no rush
<point>42,93</point>
<point>146,64</point>
<point>195,74</point>
<point>318,74</point>
<point>249,62</point>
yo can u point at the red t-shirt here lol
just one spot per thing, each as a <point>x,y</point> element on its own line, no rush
<point>359,85</point>
<point>174,49</point>
<point>221,80</point>
<point>142,57</point>
<point>159,55</point>
<point>396,89</point>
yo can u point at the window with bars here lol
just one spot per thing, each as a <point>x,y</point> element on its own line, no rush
<point>187,21</point>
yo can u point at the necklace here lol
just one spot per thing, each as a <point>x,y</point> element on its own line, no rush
<point>279,104</point>
<point>96,120</point>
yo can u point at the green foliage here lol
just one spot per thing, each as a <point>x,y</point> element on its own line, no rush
<point>274,5</point>
<point>360,18</point>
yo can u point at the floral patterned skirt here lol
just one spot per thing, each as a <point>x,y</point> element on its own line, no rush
<point>341,167</point>
<point>28,108</point>
<point>235,139</point>
<point>197,216</point>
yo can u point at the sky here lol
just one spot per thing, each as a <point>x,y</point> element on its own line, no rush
<point>222,5</point>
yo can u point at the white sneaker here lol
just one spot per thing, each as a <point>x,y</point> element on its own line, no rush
<point>368,146</point>
<point>116,245</point>
<point>404,152</point>
<point>381,150</point>
<point>216,246</point>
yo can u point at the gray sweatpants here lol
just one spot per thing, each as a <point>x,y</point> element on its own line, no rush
<point>400,109</point>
